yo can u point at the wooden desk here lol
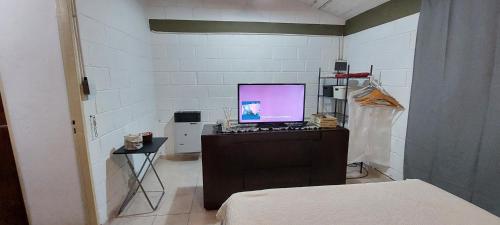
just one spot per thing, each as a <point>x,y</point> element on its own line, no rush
<point>270,159</point>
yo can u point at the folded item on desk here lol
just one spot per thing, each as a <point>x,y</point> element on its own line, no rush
<point>133,141</point>
<point>324,120</point>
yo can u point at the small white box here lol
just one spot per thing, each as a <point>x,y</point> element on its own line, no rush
<point>339,92</point>
<point>188,137</point>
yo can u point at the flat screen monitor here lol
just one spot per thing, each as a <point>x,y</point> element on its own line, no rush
<point>271,103</point>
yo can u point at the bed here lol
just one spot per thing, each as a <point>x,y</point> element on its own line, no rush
<point>409,202</point>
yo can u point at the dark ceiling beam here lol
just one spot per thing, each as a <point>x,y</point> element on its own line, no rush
<point>387,12</point>
<point>199,26</point>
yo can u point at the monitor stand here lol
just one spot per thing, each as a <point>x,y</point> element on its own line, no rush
<point>271,125</point>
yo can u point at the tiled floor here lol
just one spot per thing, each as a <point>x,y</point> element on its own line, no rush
<point>183,200</point>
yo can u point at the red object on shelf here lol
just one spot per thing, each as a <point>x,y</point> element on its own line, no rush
<point>352,75</point>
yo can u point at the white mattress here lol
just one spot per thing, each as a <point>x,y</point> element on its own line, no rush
<point>400,202</point>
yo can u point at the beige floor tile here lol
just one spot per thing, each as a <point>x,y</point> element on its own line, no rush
<point>133,220</point>
<point>180,219</point>
<point>173,174</point>
<point>200,179</point>
<point>372,177</point>
<point>207,218</point>
<point>139,206</point>
<point>353,172</point>
<point>150,183</point>
<point>176,184</point>
<point>178,202</point>
<point>353,181</point>
<point>198,201</point>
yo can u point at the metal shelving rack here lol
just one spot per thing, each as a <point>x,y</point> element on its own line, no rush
<point>339,81</point>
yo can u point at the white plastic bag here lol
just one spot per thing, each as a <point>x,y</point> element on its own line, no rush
<point>370,132</point>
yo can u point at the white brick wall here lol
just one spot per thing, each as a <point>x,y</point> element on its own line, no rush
<point>118,61</point>
<point>390,49</point>
<point>200,71</point>
<point>207,80</point>
<point>284,11</point>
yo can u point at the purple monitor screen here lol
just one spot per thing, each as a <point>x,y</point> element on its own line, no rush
<point>271,103</point>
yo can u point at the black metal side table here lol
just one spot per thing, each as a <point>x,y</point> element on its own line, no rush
<point>148,149</point>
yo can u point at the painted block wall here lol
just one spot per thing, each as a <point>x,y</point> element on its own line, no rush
<point>117,56</point>
<point>390,49</point>
<point>33,88</point>
<point>200,71</point>
<point>279,11</point>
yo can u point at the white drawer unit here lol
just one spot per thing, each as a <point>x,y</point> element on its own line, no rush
<point>187,132</point>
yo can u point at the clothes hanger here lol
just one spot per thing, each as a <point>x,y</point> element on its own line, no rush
<point>372,85</point>
<point>378,98</point>
<point>376,95</point>
<point>364,91</point>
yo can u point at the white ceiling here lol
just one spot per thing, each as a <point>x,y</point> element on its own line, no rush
<point>345,9</point>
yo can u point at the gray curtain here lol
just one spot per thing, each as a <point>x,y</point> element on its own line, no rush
<point>453,136</point>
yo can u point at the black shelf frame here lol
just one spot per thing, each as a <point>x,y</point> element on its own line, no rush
<point>338,82</point>
<point>336,114</point>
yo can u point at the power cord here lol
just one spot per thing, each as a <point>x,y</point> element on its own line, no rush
<point>93,126</point>
<point>364,171</point>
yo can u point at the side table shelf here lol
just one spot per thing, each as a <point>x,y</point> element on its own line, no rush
<point>147,150</point>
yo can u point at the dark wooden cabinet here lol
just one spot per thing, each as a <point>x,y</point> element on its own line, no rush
<point>270,159</point>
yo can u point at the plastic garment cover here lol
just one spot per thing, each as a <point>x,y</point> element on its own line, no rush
<point>370,132</point>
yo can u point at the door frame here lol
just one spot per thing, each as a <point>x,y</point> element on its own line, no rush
<point>73,72</point>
